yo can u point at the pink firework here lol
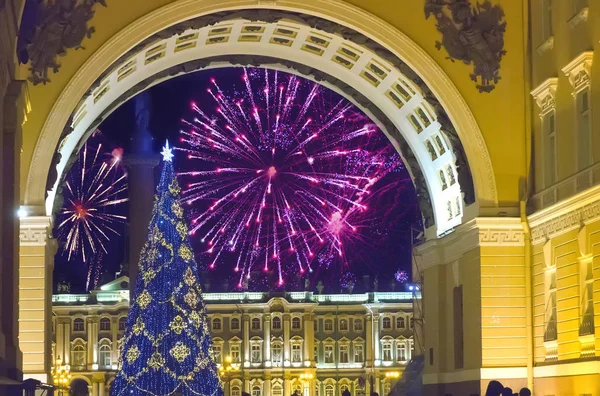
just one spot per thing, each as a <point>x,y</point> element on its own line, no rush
<point>281,173</point>
<point>94,189</point>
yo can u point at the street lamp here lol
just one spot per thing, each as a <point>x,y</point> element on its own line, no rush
<point>61,375</point>
<point>228,367</point>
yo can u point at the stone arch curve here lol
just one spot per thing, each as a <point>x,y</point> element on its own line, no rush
<point>449,110</point>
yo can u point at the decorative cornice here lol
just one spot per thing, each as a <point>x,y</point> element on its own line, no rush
<point>546,45</point>
<point>565,216</point>
<point>579,71</point>
<point>545,94</point>
<point>34,231</point>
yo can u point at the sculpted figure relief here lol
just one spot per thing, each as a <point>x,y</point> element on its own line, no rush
<point>59,25</point>
<point>473,35</point>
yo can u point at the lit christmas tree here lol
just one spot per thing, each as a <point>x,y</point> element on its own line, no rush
<point>167,348</point>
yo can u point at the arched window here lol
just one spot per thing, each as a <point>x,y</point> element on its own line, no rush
<point>78,324</point>
<point>122,323</point>
<point>401,352</point>
<point>277,323</point>
<point>78,355</point>
<point>328,325</point>
<point>276,353</point>
<point>296,323</point>
<point>329,390</point>
<point>343,325</point>
<point>298,389</point>
<point>236,391</point>
<point>400,322</point>
<point>255,324</point>
<point>216,324</point>
<point>105,324</point>
<point>387,323</point>
<point>345,387</point>
<point>235,324</point>
<point>256,391</point>
<point>358,325</point>
<point>104,355</point>
<point>277,390</point>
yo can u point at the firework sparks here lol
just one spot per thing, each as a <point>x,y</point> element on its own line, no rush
<point>401,276</point>
<point>283,171</point>
<point>94,189</point>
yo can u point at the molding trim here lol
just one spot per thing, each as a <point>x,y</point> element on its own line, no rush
<point>545,95</point>
<point>579,71</point>
<point>566,215</point>
<point>486,373</point>
<point>567,369</point>
<point>35,231</point>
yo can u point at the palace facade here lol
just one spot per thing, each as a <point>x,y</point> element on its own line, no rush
<point>268,344</point>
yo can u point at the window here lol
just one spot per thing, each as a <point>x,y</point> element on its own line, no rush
<point>358,325</point>
<point>387,352</point>
<point>316,353</point>
<point>359,353</point>
<point>549,127</point>
<point>104,353</point>
<point>296,323</point>
<point>584,144</point>
<point>78,324</point>
<point>401,352</point>
<point>276,323</point>
<point>236,391</point>
<point>387,387</point>
<point>217,353</point>
<point>344,353</point>
<point>122,323</point>
<point>329,390</point>
<point>586,326</point>
<point>255,324</point>
<point>78,355</point>
<point>256,391</point>
<point>105,324</point>
<point>216,324</point>
<point>276,353</point>
<point>277,390</point>
<point>256,356</point>
<point>550,333</point>
<point>235,324</point>
<point>234,350</point>
<point>387,323</point>
<point>328,353</point>
<point>343,324</point>
<point>547,29</point>
<point>328,325</point>
<point>296,352</point>
<point>345,387</point>
<point>316,325</point>
<point>400,322</point>
<point>411,323</point>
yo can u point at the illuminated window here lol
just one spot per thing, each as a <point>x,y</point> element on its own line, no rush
<point>104,353</point>
<point>78,324</point>
<point>236,391</point>
<point>296,323</point>
<point>329,390</point>
<point>235,324</point>
<point>328,353</point>
<point>344,353</point>
<point>276,323</point>
<point>78,356</point>
<point>359,353</point>
<point>276,353</point>
<point>122,323</point>
<point>586,326</point>
<point>105,324</point>
<point>217,353</point>
<point>256,391</point>
<point>344,388</point>
<point>401,352</point>
<point>277,390</point>
<point>256,353</point>
<point>328,325</point>
<point>255,324</point>
<point>343,324</point>
<point>296,352</point>
<point>316,353</point>
<point>550,333</point>
<point>358,325</point>
<point>584,136</point>
<point>387,352</point>
<point>216,324</point>
<point>234,351</point>
<point>386,323</point>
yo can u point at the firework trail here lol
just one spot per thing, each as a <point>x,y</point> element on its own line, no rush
<point>95,188</point>
<point>281,174</point>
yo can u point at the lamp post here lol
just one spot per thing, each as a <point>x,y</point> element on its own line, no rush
<point>227,368</point>
<point>61,375</point>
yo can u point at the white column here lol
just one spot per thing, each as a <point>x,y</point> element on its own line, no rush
<point>246,341</point>
<point>309,338</point>
<point>114,358</point>
<point>247,385</point>
<point>95,389</point>
<point>369,343</point>
<point>60,339</point>
<point>267,339</point>
<point>67,340</point>
<point>101,387</point>
<point>286,384</point>
<point>267,386</point>
<point>377,356</point>
<point>286,339</point>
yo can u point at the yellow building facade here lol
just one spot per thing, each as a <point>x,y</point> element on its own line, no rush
<point>507,179</point>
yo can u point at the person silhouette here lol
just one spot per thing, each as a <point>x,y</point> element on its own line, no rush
<point>524,392</point>
<point>507,392</point>
<point>346,393</point>
<point>494,388</point>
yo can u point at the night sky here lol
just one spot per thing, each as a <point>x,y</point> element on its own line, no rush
<point>382,250</point>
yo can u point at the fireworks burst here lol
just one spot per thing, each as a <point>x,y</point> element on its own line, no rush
<point>401,276</point>
<point>283,173</point>
<point>95,187</point>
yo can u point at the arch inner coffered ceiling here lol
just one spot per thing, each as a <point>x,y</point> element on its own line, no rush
<point>345,60</point>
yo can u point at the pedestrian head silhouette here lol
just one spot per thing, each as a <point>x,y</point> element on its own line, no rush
<point>524,392</point>
<point>494,388</point>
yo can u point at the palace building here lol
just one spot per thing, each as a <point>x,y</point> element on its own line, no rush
<point>267,344</point>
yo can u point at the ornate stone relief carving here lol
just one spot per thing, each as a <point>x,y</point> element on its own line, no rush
<point>545,94</point>
<point>566,222</point>
<point>59,25</point>
<point>472,35</point>
<point>579,71</point>
<point>34,231</point>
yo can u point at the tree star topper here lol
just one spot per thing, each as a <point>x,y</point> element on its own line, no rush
<point>167,153</point>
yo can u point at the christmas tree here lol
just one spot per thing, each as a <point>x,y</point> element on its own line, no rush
<point>167,348</point>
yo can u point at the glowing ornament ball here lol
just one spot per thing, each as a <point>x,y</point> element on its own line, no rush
<point>281,174</point>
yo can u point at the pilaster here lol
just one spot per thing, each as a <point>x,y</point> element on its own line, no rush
<point>267,339</point>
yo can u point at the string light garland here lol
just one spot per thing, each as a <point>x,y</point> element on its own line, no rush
<point>167,347</point>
